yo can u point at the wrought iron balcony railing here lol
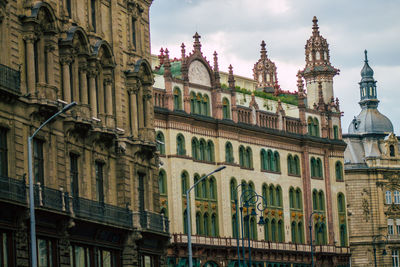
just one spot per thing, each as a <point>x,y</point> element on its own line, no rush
<point>13,189</point>
<point>10,79</point>
<point>100,211</point>
<point>51,198</point>
<point>151,221</point>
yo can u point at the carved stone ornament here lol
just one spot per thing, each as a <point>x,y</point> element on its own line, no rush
<point>393,210</point>
<point>366,210</point>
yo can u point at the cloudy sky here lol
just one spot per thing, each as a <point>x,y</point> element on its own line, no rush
<point>235,29</point>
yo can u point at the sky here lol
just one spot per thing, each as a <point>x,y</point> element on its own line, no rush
<point>235,29</point>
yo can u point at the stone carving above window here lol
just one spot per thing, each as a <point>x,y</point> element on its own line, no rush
<point>198,74</point>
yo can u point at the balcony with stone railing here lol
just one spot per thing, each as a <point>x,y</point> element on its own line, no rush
<point>10,80</point>
<point>225,242</point>
<point>151,222</point>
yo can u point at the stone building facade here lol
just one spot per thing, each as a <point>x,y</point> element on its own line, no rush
<point>286,146</point>
<point>372,165</point>
<point>95,167</point>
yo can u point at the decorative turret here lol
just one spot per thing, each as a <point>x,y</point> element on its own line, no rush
<point>216,71</point>
<point>318,67</point>
<point>231,79</point>
<point>370,120</point>
<point>264,72</point>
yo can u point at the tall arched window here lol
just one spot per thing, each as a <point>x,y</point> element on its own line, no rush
<point>335,132</point>
<point>321,200</point>
<point>343,235</point>
<point>271,193</point>
<point>265,194</point>
<point>319,168</point>
<point>273,230</point>
<point>267,235</point>
<point>277,160</point>
<point>199,100</point>
<point>198,223</point>
<point>214,225</point>
<point>241,156</point>
<point>225,109</point>
<point>341,207</point>
<point>310,124</point>
<point>202,149</point>
<point>192,103</point>
<point>391,151</point>
<point>233,186</point>
<point>195,148</point>
<point>253,228</point>
<point>270,160</point>
<point>235,230</point>
<point>210,151</point>
<point>248,158</point>
<point>185,230</point>
<point>197,189</point>
<point>185,182</point>
<point>263,156</point>
<point>177,99</point>
<point>299,203</point>
<point>388,197</point>
<point>290,164</point>
<point>341,203</point>
<point>300,233</point>
<point>180,145</point>
<point>213,188</point>
<point>204,191</point>
<point>278,196</point>
<point>206,106</point>
<point>316,127</point>
<point>315,200</point>
<point>281,234</point>
<point>293,228</point>
<point>228,153</point>
<point>162,182</point>
<point>313,167</point>
<point>160,143</point>
<point>339,171</point>
<point>291,198</point>
<point>296,165</point>
<point>206,228</point>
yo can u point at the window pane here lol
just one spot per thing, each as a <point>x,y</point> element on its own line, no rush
<point>42,253</point>
<point>106,255</point>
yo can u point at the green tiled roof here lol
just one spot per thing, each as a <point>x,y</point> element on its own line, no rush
<point>175,69</point>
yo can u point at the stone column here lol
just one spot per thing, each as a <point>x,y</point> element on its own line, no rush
<point>100,99</point>
<point>41,61</point>
<point>133,112</point>
<point>108,100</point>
<point>139,107</point>
<point>83,83</point>
<point>30,64</point>
<point>92,73</point>
<point>75,81</point>
<point>65,61</point>
<point>50,63</point>
<point>148,108</point>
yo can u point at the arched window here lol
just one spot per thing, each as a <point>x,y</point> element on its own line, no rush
<point>281,234</point>
<point>214,225</point>
<point>267,235</point>
<point>185,230</point>
<point>271,195</point>
<point>228,153</point>
<point>310,124</point>
<point>291,198</point>
<point>249,158</point>
<point>318,168</point>
<point>341,203</point>
<point>339,171</point>
<point>185,182</point>
<point>180,145</point>
<point>198,223</point>
<point>313,167</point>
<point>195,148</point>
<point>316,127</point>
<point>225,109</point>
<point>162,183</point>
<point>273,230</point>
<point>315,200</point>
<point>343,235</point>
<point>199,101</point>
<point>263,156</point>
<point>320,233</point>
<point>290,164</point>
<point>321,200</point>
<point>277,164</point>
<point>210,151</point>
<point>213,189</point>
<point>335,132</point>
<point>253,228</point>
<point>278,196</point>
<point>233,186</point>
<point>235,230</point>
<point>388,197</point>
<point>202,149</point>
<point>160,143</point>
<point>270,160</point>
<point>204,192</point>
<point>391,148</point>
<point>296,165</point>
<point>293,229</point>
<point>192,103</point>
<point>206,229</point>
<point>265,194</point>
<point>177,99</point>
<point>206,106</point>
<point>299,204</point>
<point>300,233</point>
<point>197,189</point>
<point>241,156</point>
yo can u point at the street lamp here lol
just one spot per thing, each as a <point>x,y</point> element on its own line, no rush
<point>310,223</point>
<point>31,196</point>
<point>188,213</point>
<point>384,253</point>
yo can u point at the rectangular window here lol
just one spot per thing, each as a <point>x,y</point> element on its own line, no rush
<point>46,253</point>
<point>93,13</point>
<point>3,153</point>
<point>398,226</point>
<point>390,227</point>
<point>6,250</point>
<point>395,258</point>
<point>38,161</point>
<point>396,197</point>
<point>74,175</point>
<point>134,33</point>
<point>80,256</point>
<point>388,197</point>
<point>69,7</point>
<point>99,181</point>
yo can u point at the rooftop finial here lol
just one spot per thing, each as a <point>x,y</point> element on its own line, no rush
<point>231,78</point>
<point>315,25</point>
<point>366,57</point>
<point>197,45</point>
<point>263,50</point>
<point>216,61</point>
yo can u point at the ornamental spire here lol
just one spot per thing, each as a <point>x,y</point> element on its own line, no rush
<point>263,50</point>
<point>231,78</point>
<point>315,26</point>
<point>197,44</point>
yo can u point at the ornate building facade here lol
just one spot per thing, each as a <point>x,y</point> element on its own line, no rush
<point>95,167</point>
<point>285,146</point>
<point>372,165</point>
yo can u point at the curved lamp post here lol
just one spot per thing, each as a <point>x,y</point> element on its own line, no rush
<point>31,195</point>
<point>310,223</point>
<point>190,256</point>
<point>384,253</point>
<point>250,198</point>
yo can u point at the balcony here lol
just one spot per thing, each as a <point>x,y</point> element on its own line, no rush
<point>50,198</point>
<point>152,222</point>
<point>10,80</point>
<point>102,212</point>
<point>13,190</point>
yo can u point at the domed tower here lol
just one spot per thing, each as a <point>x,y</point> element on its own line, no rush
<point>370,120</point>
<point>318,68</point>
<point>264,72</point>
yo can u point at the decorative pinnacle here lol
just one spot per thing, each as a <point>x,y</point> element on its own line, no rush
<point>263,50</point>
<point>300,84</point>
<point>231,79</point>
<point>230,69</point>
<point>196,45</point>
<point>183,51</point>
<point>315,26</point>
<point>366,57</point>
<point>215,61</point>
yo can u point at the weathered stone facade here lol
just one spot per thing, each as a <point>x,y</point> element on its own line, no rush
<point>276,144</point>
<point>96,166</point>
